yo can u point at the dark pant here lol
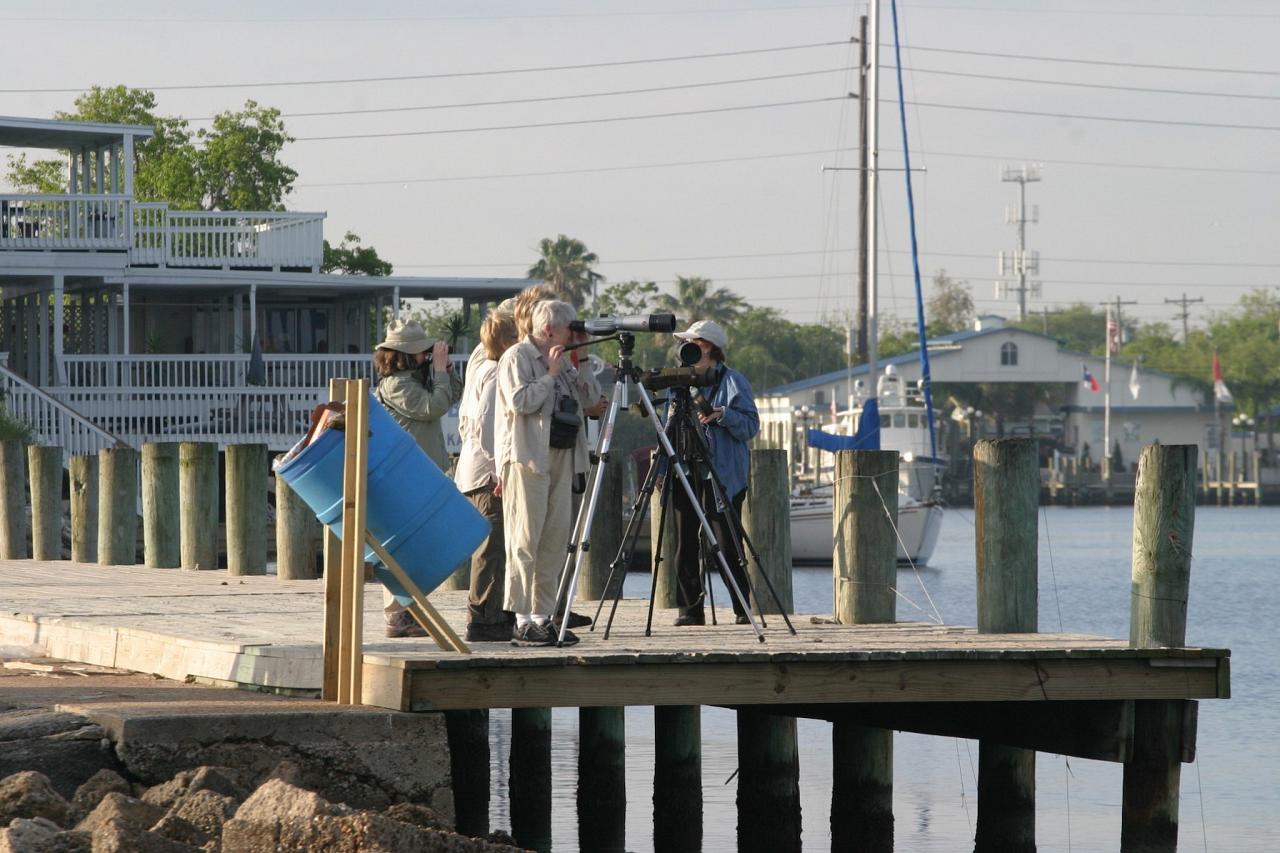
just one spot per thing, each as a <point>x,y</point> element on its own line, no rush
<point>689,591</point>
<point>488,563</point>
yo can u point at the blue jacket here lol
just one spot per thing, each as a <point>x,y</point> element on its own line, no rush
<point>728,436</point>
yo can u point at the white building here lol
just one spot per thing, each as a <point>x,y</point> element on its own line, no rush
<point>1166,409</point>
<point>127,321</point>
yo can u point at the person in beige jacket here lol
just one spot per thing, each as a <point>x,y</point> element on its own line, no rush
<point>417,402</point>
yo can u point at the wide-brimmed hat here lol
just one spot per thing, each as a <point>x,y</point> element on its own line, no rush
<point>406,336</point>
<point>708,330</point>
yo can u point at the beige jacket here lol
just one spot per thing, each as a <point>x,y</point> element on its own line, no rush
<point>526,397</point>
<point>418,410</point>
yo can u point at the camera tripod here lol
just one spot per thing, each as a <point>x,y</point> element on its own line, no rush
<point>627,375</point>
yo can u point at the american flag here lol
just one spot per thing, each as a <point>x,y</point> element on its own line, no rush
<point>1113,334</point>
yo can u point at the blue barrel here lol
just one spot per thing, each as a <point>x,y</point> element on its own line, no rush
<point>414,510</point>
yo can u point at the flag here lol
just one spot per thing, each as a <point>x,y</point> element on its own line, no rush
<point>1113,335</point>
<point>1134,385</point>
<point>1220,392</point>
<point>1088,381</point>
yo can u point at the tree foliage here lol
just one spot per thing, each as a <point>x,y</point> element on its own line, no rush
<point>566,266</point>
<point>695,299</point>
<point>950,306</point>
<point>351,258</point>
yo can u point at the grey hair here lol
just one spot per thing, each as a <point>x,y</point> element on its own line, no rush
<point>550,313</point>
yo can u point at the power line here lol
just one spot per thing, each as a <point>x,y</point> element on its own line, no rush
<point>568,123</point>
<point>1112,63</point>
<point>1108,86</point>
<point>447,75</point>
<point>1083,117</point>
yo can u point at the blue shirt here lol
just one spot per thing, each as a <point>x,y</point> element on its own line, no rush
<point>729,435</point>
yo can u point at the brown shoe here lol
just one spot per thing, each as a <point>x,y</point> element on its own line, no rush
<point>403,624</point>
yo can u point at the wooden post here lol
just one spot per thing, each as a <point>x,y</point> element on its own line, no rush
<point>460,578</point>
<point>665,592</point>
<point>297,532</point>
<point>198,494</point>
<point>13,500</point>
<point>531,777</point>
<point>84,509</point>
<point>332,586</point>
<point>677,778</point>
<point>606,533</point>
<point>865,517</point>
<point>45,465</point>
<point>602,783</point>
<point>766,519</point>
<point>768,783</point>
<point>117,506</point>
<point>1006,486</point>
<point>469,767</point>
<point>161,513</point>
<point>355,492</point>
<point>247,509</point>
<point>1164,513</point>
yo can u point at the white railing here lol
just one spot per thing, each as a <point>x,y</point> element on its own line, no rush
<point>229,370</point>
<point>199,238</point>
<point>65,221</point>
<point>52,422</point>
<point>150,233</point>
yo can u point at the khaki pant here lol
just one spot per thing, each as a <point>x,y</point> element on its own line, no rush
<point>536,514</point>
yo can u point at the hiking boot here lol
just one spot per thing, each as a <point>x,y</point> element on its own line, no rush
<point>694,617</point>
<point>493,632</point>
<point>577,620</point>
<point>570,638</point>
<point>741,619</point>
<point>402,624</point>
<point>533,634</point>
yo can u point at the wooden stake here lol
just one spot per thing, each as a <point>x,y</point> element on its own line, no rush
<point>355,489</point>
<point>602,783</point>
<point>1006,486</point>
<point>117,506</point>
<point>13,500</point>
<point>84,509</point>
<point>1163,525</point>
<point>45,465</point>
<point>677,778</point>
<point>161,514</point>
<point>332,586</point>
<point>766,518</point>
<point>530,788</point>
<point>768,783</point>
<point>428,617</point>
<point>198,495</point>
<point>297,531</point>
<point>246,509</point>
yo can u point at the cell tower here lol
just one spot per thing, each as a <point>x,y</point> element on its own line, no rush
<point>1020,263</point>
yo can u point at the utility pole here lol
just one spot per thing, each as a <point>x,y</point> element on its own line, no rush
<point>1020,262</point>
<point>1115,325</point>
<point>862,194</point>
<point>1185,313</point>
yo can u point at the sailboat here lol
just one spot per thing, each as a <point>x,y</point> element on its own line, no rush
<point>885,416</point>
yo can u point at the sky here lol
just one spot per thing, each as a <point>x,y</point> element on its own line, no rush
<point>1144,194</point>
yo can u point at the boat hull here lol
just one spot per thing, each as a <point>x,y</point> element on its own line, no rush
<point>918,527</point>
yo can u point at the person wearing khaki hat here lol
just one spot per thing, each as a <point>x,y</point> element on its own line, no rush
<point>732,422</point>
<point>417,399</point>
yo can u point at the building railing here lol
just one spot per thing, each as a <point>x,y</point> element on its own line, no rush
<point>52,421</point>
<point>228,370</point>
<point>198,238</point>
<point>65,222</point>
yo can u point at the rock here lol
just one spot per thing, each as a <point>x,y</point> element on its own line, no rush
<point>220,780</point>
<point>205,810</point>
<point>276,799</point>
<point>359,833</point>
<point>65,747</point>
<point>89,794</point>
<point>120,808</point>
<point>183,831</point>
<point>27,835</point>
<point>29,794</point>
<point>418,815</point>
<point>121,836</point>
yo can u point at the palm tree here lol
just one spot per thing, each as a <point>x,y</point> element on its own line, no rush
<point>566,266</point>
<point>695,300</point>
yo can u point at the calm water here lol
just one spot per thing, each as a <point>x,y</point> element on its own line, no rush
<point>1229,796</point>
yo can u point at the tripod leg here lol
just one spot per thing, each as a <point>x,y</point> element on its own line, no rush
<point>627,549</point>
<point>773,592</point>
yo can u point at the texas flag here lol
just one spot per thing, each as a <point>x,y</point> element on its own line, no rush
<point>1220,391</point>
<point>1088,381</point>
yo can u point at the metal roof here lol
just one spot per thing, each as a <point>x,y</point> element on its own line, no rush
<point>65,135</point>
<point>442,287</point>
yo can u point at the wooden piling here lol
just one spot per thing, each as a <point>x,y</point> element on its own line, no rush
<point>766,519</point>
<point>665,591</point>
<point>198,491</point>
<point>469,766</point>
<point>1163,524</point>
<point>247,509</point>
<point>459,578</point>
<point>161,514</point>
<point>677,778</point>
<point>865,517</point>
<point>602,785</point>
<point>45,466</point>
<point>768,783</point>
<point>84,509</point>
<point>13,500</point>
<point>297,535</point>
<point>117,506</point>
<point>606,534</point>
<point>1006,492</point>
<point>530,789</point>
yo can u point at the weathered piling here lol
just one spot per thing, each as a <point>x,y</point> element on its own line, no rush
<point>45,466</point>
<point>161,514</point>
<point>865,516</point>
<point>768,783</point>
<point>297,535</point>
<point>84,509</point>
<point>469,767</point>
<point>766,520</point>
<point>460,578</point>
<point>1006,492</point>
<point>677,778</point>
<point>247,509</point>
<point>198,491</point>
<point>602,785</point>
<point>117,506</point>
<point>13,500</point>
<point>606,534</point>
<point>665,589</point>
<point>1163,523</point>
<point>530,789</point>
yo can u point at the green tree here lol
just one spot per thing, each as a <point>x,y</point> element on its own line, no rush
<point>350,258</point>
<point>1080,327</point>
<point>566,265</point>
<point>633,297</point>
<point>1247,343</point>
<point>771,350</point>
<point>695,299</point>
<point>950,306</point>
<point>239,166</point>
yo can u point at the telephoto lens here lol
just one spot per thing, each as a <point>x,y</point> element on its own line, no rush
<point>702,404</point>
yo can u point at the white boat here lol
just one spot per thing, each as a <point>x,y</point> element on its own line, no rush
<point>904,427</point>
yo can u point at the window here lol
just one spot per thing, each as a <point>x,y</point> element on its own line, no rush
<point>1009,354</point>
<point>819,398</point>
<point>885,421</point>
<point>899,420</point>
<point>913,421</point>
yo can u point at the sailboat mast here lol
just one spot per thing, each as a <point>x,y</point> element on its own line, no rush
<point>871,200</point>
